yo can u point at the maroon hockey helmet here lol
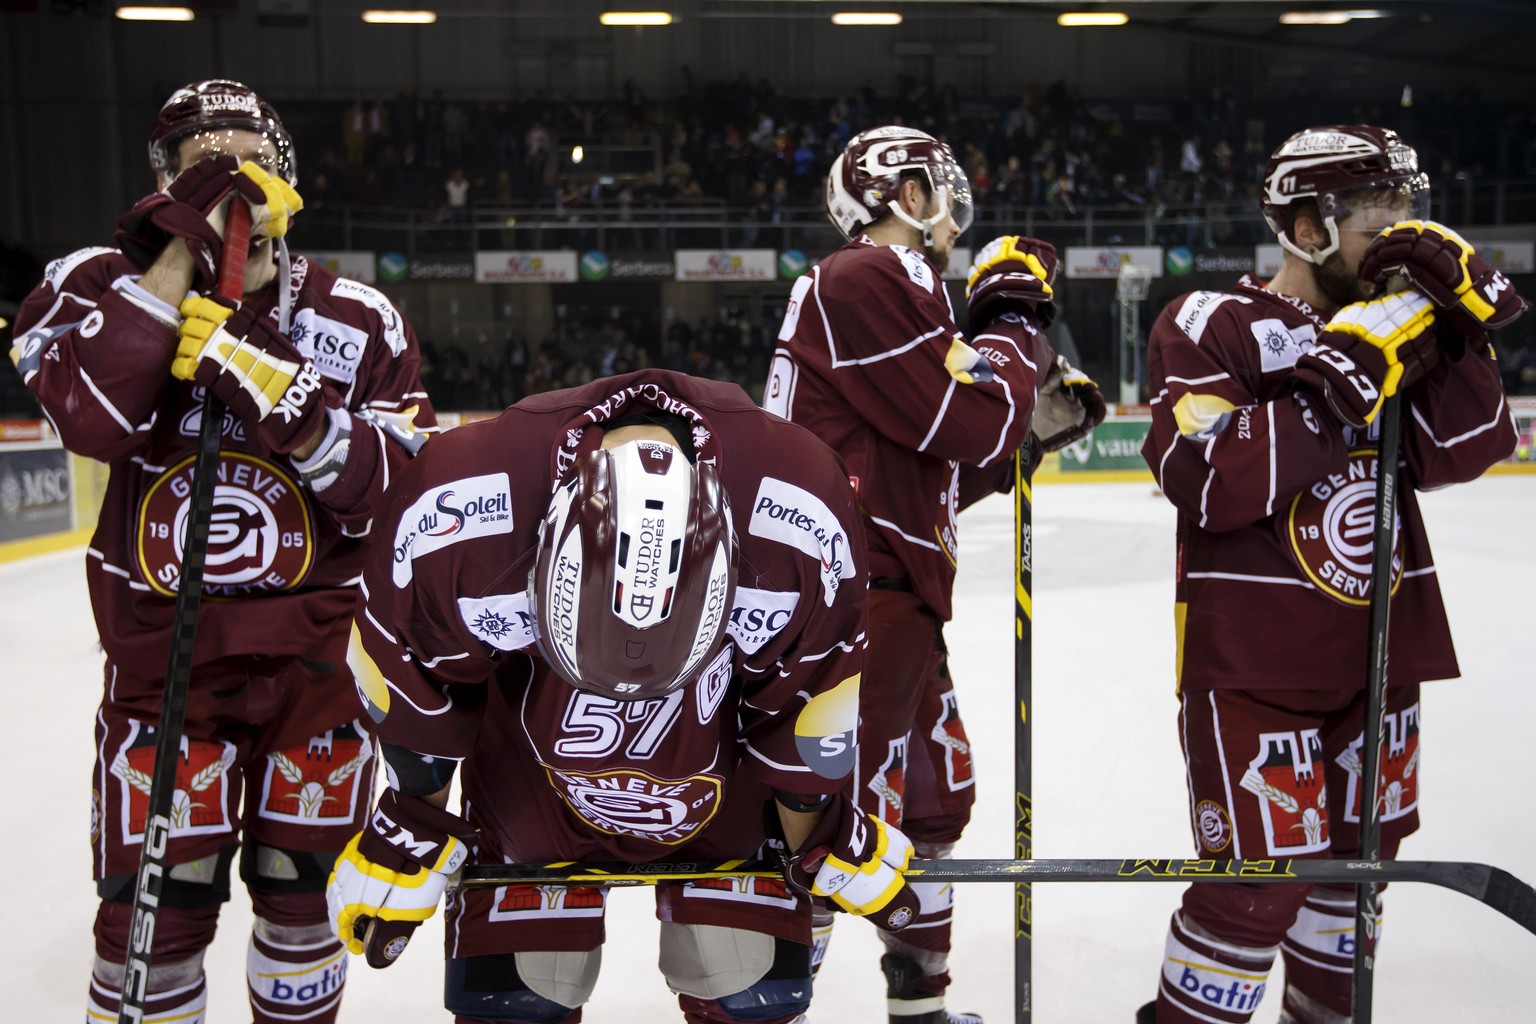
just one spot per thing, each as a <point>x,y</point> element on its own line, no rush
<point>864,180</point>
<point>1328,165</point>
<point>631,588</point>
<point>212,106</point>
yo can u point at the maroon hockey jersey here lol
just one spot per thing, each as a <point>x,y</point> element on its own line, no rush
<point>97,352</point>
<point>870,361</point>
<point>1276,497</point>
<point>446,662</point>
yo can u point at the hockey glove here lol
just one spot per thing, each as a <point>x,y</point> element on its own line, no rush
<point>392,875</point>
<point>1370,351</point>
<point>1012,274</point>
<point>857,862</point>
<point>1069,407</point>
<point>192,208</point>
<point>241,357</point>
<point>1444,266</point>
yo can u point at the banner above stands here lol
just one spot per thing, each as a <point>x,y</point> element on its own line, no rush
<point>564,266</point>
<point>525,266</point>
<point>1104,263</point>
<point>727,265</point>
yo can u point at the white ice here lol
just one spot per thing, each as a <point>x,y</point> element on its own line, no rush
<point>1108,782</point>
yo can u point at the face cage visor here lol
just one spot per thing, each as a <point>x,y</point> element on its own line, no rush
<point>275,155</point>
<point>1369,209</point>
<point>947,181</point>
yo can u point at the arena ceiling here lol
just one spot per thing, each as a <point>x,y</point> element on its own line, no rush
<point>1497,34</point>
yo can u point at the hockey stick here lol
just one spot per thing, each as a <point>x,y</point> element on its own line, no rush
<point>1023,746</point>
<point>1376,699</point>
<point>178,674</point>
<point>1494,887</point>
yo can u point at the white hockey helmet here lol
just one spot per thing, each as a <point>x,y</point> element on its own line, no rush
<point>865,179</point>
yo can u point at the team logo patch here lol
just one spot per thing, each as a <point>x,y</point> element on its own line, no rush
<point>530,902</point>
<point>201,799</point>
<point>627,802</point>
<point>949,733</point>
<point>758,616</point>
<point>763,892</point>
<point>900,918</point>
<point>1399,785</point>
<point>260,540</point>
<point>318,783</point>
<point>1280,346</point>
<point>502,620</point>
<point>1330,530</point>
<point>1213,825</point>
<point>825,728</point>
<point>713,683</point>
<point>389,318</point>
<point>335,348</point>
<point>476,506</point>
<point>890,783</point>
<point>794,516</point>
<point>1286,776</point>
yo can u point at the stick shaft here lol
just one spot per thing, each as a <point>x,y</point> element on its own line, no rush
<point>1023,745</point>
<point>1492,886</point>
<point>178,673</point>
<point>1376,700</point>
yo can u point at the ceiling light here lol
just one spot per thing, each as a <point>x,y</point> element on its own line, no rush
<point>641,18</point>
<point>866,18</point>
<point>1079,19</point>
<point>400,17</point>
<point>155,13</point>
<point>1328,17</point>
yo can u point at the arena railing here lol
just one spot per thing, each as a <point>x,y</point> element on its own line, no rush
<point>613,226</point>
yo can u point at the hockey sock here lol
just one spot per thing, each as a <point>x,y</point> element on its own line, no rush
<point>295,973</point>
<point>1207,981</point>
<point>924,943</point>
<point>177,992</point>
<point>821,933</point>
<point>1319,953</point>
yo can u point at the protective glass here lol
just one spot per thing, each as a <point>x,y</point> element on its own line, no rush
<point>1370,211</point>
<point>267,149</point>
<point>949,176</point>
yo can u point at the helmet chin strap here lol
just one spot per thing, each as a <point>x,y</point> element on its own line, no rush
<point>925,226</point>
<point>1312,254</point>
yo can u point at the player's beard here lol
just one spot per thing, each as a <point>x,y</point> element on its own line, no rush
<point>1341,285</point>
<point>940,260</point>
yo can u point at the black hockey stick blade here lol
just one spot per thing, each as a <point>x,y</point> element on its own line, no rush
<point>178,673</point>
<point>1492,886</point>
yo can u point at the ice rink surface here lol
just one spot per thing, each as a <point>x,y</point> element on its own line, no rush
<point>1108,782</point>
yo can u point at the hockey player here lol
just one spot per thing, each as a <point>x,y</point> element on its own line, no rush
<point>871,361</point>
<point>1264,436</point>
<point>320,377</point>
<point>634,610</point>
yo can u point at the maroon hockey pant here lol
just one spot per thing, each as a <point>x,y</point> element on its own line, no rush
<point>914,759</point>
<point>1276,774</point>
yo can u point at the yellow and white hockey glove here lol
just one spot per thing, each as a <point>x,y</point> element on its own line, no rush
<point>1370,351</point>
<point>392,875</point>
<point>242,358</point>
<point>858,862</point>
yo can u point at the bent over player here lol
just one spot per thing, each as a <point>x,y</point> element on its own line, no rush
<point>320,378</point>
<point>634,611</point>
<point>870,360</point>
<point>1264,436</point>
